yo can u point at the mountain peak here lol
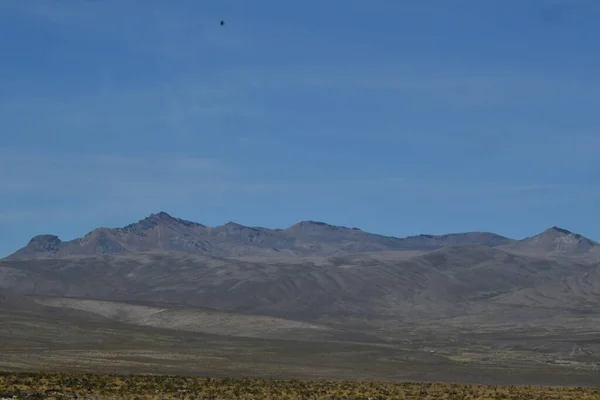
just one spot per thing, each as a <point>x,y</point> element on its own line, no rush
<point>162,214</point>
<point>556,229</point>
<point>44,243</point>
<point>319,224</point>
<point>231,227</point>
<point>160,218</point>
<point>555,241</point>
<point>39,245</point>
<point>45,239</point>
<point>557,233</point>
<point>310,224</point>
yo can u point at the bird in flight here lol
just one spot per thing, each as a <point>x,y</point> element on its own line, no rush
<point>222,23</point>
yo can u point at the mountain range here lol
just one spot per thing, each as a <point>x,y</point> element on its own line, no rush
<point>310,270</point>
<point>317,282</point>
<point>162,232</point>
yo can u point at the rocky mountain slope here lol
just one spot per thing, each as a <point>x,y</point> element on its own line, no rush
<point>444,283</point>
<point>314,282</point>
<point>556,242</point>
<point>311,271</point>
<point>165,233</point>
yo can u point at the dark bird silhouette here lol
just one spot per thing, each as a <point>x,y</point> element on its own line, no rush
<point>222,23</point>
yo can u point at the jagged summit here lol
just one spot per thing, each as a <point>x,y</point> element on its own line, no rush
<point>311,223</point>
<point>556,242</point>
<point>233,228</point>
<point>232,224</point>
<point>317,225</point>
<point>560,230</point>
<point>555,231</point>
<point>159,218</point>
<point>44,240</point>
<point>43,243</point>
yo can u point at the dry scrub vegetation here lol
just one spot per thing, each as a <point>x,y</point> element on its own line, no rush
<point>93,386</point>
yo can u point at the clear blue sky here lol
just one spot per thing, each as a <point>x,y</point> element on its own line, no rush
<point>398,117</point>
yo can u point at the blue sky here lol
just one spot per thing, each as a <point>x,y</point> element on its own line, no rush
<point>398,117</point>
